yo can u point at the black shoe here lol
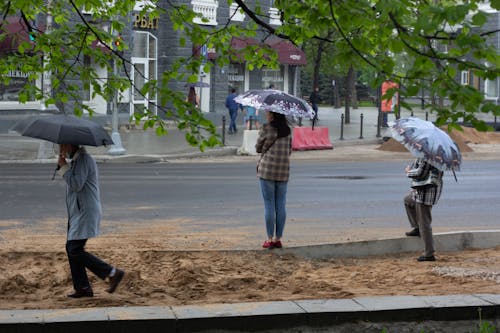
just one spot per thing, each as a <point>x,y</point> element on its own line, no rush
<point>424,258</point>
<point>85,292</point>
<point>115,280</point>
<point>413,232</point>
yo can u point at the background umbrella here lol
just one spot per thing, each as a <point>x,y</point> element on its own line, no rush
<point>61,128</point>
<point>424,140</point>
<point>276,101</point>
<point>197,84</point>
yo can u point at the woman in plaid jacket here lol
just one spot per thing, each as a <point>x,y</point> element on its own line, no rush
<point>419,202</point>
<point>275,146</point>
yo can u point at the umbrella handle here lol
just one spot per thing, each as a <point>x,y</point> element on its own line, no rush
<point>454,175</point>
<point>55,171</point>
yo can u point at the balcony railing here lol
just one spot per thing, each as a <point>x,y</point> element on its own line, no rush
<point>208,9</point>
<point>274,16</point>
<point>235,13</point>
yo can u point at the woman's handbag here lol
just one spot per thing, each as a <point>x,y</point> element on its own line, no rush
<point>430,181</point>
<point>262,155</point>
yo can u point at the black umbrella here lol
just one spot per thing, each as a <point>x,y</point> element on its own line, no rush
<point>61,128</point>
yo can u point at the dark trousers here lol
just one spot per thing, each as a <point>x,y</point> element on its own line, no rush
<point>233,114</point>
<point>419,216</point>
<point>315,108</point>
<point>79,259</point>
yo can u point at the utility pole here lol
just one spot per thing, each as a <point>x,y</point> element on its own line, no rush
<point>47,75</point>
<point>116,148</point>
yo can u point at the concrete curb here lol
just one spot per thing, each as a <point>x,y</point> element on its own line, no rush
<point>146,158</point>
<point>444,242</point>
<point>254,316</point>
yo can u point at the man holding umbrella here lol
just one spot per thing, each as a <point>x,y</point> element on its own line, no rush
<point>419,202</point>
<point>84,215</point>
<point>435,152</point>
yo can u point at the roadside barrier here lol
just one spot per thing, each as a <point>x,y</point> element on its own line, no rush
<point>307,138</point>
<point>249,141</point>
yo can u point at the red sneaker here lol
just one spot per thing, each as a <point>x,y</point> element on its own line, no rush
<point>267,245</point>
<point>277,244</point>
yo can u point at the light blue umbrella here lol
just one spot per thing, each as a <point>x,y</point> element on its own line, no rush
<point>424,140</point>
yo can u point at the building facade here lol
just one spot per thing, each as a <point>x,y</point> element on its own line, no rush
<point>153,47</point>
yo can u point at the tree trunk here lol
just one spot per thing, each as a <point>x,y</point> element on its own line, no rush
<point>348,94</point>
<point>354,92</point>
<point>317,64</point>
<point>336,93</point>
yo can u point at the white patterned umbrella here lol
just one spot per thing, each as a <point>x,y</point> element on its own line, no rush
<point>424,140</point>
<point>276,101</point>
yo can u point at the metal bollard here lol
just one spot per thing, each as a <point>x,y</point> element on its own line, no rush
<point>342,126</point>
<point>300,121</point>
<point>223,130</point>
<point>411,114</point>
<point>426,115</point>
<point>379,123</point>
<point>251,122</point>
<point>361,126</point>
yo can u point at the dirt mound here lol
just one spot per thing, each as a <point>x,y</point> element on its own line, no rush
<point>41,280</point>
<point>462,138</point>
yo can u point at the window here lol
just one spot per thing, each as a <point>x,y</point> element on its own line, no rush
<point>273,77</point>
<point>144,69</point>
<point>465,78</point>
<point>207,9</point>
<point>491,89</point>
<point>10,92</point>
<point>236,77</point>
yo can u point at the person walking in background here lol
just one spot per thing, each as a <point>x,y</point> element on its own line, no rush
<point>418,203</point>
<point>83,205</point>
<point>232,107</point>
<point>251,115</point>
<point>192,98</point>
<point>273,169</point>
<point>314,99</point>
<point>388,105</point>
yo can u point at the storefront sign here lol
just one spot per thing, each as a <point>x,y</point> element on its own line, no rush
<point>272,78</point>
<point>231,77</point>
<point>145,22</point>
<point>17,74</point>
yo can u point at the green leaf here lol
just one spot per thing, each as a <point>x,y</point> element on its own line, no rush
<point>479,19</point>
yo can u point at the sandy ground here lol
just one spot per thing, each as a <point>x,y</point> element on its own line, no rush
<point>166,266</point>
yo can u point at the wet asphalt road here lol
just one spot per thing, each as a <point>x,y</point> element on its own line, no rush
<point>343,195</point>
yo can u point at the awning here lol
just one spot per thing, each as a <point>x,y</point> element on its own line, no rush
<point>287,52</point>
<point>13,31</point>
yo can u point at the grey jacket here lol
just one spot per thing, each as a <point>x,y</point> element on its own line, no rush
<point>82,196</point>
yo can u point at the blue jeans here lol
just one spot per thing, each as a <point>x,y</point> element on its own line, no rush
<point>274,195</point>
